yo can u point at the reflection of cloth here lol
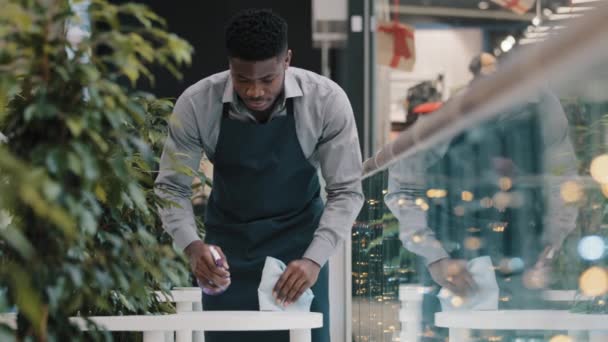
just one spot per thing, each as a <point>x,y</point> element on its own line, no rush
<point>273,269</point>
<point>486,295</point>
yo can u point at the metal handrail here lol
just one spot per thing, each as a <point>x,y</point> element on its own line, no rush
<point>576,49</point>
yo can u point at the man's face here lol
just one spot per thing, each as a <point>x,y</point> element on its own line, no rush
<point>259,83</point>
<point>488,64</point>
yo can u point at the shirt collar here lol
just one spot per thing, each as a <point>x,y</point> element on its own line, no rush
<point>291,87</point>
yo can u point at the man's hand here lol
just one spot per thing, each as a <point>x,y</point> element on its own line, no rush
<point>453,275</point>
<point>203,266</point>
<point>298,277</point>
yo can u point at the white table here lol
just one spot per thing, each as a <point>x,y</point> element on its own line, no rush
<point>154,327</point>
<point>460,322</point>
<point>186,299</point>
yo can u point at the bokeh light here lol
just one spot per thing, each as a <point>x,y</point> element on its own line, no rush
<point>594,281</point>
<point>402,202</point>
<point>457,301</point>
<point>436,193</point>
<point>511,265</point>
<point>502,200</point>
<point>571,192</point>
<point>467,196</point>
<point>472,243</point>
<point>605,190</point>
<point>486,202</point>
<point>459,210</point>
<point>591,247</point>
<point>561,338</point>
<point>599,168</point>
<point>536,278</point>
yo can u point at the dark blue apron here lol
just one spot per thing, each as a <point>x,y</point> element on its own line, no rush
<point>264,202</point>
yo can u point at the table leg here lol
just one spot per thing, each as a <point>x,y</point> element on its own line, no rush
<point>183,335</point>
<point>598,336</point>
<point>154,336</point>
<point>460,335</point>
<point>198,336</point>
<point>299,335</point>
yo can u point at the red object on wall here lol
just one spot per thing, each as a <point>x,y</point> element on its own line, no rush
<point>427,108</point>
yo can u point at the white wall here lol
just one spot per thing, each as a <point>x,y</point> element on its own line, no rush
<point>441,50</point>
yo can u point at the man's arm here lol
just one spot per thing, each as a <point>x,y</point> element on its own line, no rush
<point>406,184</point>
<point>341,167</point>
<point>180,159</point>
<point>560,164</point>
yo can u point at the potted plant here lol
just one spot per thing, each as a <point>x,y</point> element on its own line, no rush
<point>78,225</point>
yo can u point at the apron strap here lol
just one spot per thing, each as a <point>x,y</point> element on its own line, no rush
<point>288,104</point>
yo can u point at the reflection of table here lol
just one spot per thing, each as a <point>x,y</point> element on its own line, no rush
<point>563,296</point>
<point>299,324</point>
<point>460,322</point>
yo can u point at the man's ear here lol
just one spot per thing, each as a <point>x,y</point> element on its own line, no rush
<point>287,58</point>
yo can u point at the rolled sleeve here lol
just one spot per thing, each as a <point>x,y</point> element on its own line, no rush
<point>180,159</point>
<point>405,185</point>
<point>341,167</point>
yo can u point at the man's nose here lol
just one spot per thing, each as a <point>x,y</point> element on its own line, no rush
<point>255,91</point>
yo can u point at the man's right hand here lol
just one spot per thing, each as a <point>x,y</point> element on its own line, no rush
<point>203,266</point>
<point>453,275</point>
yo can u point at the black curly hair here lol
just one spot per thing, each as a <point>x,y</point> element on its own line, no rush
<point>256,35</point>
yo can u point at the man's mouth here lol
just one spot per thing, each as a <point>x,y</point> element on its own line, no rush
<point>257,104</point>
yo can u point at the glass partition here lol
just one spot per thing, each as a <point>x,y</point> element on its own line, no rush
<point>492,225</point>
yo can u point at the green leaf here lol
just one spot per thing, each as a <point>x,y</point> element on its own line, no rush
<point>138,197</point>
<point>100,193</point>
<point>26,297</point>
<point>88,223</point>
<point>74,163</point>
<point>17,241</point>
<point>51,190</point>
<point>75,126</point>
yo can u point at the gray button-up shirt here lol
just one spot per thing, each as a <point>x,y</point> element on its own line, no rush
<point>326,130</point>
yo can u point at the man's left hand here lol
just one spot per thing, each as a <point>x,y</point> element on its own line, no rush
<point>299,276</point>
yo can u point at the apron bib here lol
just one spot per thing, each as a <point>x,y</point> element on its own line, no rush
<point>265,201</point>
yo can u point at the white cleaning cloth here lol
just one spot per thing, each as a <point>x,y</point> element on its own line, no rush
<point>486,295</point>
<point>273,269</point>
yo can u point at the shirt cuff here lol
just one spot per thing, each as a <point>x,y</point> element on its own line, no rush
<point>435,255</point>
<point>184,237</point>
<point>319,251</point>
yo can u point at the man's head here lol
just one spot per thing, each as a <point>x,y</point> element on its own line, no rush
<point>256,41</point>
<point>483,64</point>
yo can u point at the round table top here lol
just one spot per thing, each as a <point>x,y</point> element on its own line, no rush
<point>521,320</point>
<point>210,321</point>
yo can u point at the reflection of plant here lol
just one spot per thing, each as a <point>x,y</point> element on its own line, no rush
<point>588,123</point>
<point>78,168</point>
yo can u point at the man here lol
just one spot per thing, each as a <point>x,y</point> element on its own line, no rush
<point>529,139</point>
<point>482,65</point>
<point>267,128</point>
